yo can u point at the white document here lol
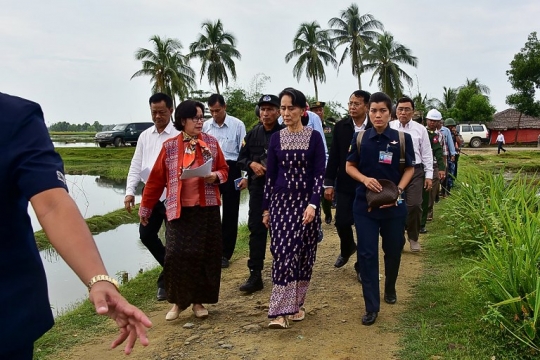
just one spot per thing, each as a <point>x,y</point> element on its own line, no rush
<point>200,171</point>
<point>145,174</point>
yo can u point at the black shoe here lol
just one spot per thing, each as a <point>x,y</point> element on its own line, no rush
<point>358,277</point>
<point>390,298</point>
<point>161,294</point>
<point>328,219</point>
<point>224,262</point>
<point>342,260</point>
<point>423,230</point>
<point>369,318</point>
<point>254,283</point>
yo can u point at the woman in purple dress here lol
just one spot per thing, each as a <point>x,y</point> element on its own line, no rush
<point>295,171</point>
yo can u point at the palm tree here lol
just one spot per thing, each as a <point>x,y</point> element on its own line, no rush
<point>354,31</point>
<point>216,50</point>
<point>384,57</point>
<point>477,86</point>
<point>168,69</point>
<point>314,49</point>
<point>448,100</point>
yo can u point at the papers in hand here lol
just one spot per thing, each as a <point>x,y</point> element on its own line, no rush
<point>200,171</point>
<point>145,174</point>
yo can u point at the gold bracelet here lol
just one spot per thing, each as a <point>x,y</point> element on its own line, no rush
<point>106,278</point>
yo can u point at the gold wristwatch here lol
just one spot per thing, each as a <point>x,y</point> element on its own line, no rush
<point>106,278</point>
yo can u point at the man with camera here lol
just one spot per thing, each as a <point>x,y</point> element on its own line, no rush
<point>252,159</point>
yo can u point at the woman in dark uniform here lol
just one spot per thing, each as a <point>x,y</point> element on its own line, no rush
<point>379,158</point>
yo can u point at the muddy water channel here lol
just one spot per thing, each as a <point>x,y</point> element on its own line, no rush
<point>121,249</point>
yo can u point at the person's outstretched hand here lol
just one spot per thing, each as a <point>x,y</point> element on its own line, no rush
<point>131,321</point>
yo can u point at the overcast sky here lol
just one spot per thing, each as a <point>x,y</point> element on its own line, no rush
<point>75,57</point>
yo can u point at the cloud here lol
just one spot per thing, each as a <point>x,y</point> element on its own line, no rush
<point>76,57</point>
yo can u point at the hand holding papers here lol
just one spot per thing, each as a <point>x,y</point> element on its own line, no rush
<point>200,171</point>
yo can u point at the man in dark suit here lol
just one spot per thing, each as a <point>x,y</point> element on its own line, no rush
<point>336,176</point>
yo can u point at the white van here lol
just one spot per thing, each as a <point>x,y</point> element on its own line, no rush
<point>474,134</point>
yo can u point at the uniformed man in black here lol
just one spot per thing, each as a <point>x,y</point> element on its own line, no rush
<point>252,159</point>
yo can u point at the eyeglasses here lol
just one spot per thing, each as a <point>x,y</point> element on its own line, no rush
<point>405,110</point>
<point>197,119</point>
<point>354,104</point>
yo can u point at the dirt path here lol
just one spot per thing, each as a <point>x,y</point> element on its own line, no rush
<point>236,328</point>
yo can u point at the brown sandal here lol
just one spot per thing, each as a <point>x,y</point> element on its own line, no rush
<point>299,316</point>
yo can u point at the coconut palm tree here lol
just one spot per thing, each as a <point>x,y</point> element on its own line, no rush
<point>168,69</point>
<point>478,87</point>
<point>383,58</point>
<point>216,50</point>
<point>448,100</point>
<point>314,50</point>
<point>354,31</point>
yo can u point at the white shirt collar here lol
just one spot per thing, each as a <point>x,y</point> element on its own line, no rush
<point>167,129</point>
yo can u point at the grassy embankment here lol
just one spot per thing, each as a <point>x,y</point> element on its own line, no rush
<point>112,163</point>
<point>444,320</point>
<point>68,137</point>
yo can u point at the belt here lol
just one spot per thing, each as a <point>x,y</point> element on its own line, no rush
<point>419,166</point>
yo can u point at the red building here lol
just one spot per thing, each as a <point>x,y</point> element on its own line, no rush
<point>509,123</point>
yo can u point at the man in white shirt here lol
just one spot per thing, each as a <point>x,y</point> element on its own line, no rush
<point>423,170</point>
<point>230,133</point>
<point>500,143</point>
<point>149,145</point>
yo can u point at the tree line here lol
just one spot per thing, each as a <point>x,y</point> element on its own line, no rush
<point>64,126</point>
<point>362,37</point>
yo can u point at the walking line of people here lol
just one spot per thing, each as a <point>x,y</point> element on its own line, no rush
<point>295,163</point>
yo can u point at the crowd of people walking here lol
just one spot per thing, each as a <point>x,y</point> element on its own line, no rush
<point>296,165</point>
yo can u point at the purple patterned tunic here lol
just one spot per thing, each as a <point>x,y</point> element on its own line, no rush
<point>295,171</point>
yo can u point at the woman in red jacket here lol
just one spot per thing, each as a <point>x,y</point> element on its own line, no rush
<point>192,269</point>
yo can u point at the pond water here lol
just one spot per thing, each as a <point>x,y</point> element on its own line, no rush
<point>121,251</point>
<point>94,195</point>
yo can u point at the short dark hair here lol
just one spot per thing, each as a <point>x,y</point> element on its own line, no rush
<point>380,97</point>
<point>187,109</point>
<point>216,98</point>
<point>159,97</point>
<point>405,99</point>
<point>361,94</point>
<point>298,97</point>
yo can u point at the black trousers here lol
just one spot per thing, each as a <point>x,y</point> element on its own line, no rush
<point>391,231</point>
<point>257,231</point>
<point>230,202</point>
<point>345,221</point>
<point>500,147</point>
<point>150,239</point>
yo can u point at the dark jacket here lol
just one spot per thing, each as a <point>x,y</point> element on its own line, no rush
<point>254,148</point>
<point>335,168</point>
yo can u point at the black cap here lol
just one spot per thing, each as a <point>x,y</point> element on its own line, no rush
<point>269,99</point>
<point>316,104</point>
